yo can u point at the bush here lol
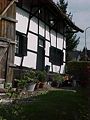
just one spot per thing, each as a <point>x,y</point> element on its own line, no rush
<point>57,77</point>
<point>29,76</point>
<point>57,80</point>
<point>41,76</point>
<point>80,69</point>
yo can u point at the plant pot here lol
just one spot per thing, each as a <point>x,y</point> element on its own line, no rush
<point>37,86</point>
<point>31,87</point>
<point>41,85</point>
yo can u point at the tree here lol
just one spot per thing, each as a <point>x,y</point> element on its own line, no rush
<point>71,38</point>
<point>62,5</point>
<point>71,44</point>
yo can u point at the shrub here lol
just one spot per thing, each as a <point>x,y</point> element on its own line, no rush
<point>57,80</point>
<point>29,76</point>
<point>41,76</point>
<point>57,77</point>
<point>80,69</point>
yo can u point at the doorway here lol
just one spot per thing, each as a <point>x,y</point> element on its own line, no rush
<point>41,54</point>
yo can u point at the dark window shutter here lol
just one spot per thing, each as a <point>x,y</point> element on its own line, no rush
<point>56,56</point>
<point>24,45</point>
<point>20,45</point>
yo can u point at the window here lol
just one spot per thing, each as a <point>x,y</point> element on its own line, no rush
<point>21,44</point>
<point>17,44</point>
<point>41,41</point>
<point>56,56</point>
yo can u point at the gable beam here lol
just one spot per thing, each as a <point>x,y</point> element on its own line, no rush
<point>8,6</point>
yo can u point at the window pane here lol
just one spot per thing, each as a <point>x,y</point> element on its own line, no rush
<point>41,43</point>
<point>17,44</point>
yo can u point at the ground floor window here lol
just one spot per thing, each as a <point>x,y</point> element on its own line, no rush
<point>21,44</point>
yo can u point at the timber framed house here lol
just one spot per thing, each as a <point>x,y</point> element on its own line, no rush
<point>34,31</point>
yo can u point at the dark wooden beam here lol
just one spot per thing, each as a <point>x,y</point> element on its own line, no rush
<point>8,6</point>
<point>8,19</point>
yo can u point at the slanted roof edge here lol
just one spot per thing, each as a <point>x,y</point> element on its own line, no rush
<point>66,18</point>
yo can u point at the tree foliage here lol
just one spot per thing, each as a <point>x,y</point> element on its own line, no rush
<point>72,41</point>
<point>62,5</point>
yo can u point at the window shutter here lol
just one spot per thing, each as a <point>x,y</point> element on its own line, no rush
<point>20,45</point>
<point>56,56</point>
<point>24,45</point>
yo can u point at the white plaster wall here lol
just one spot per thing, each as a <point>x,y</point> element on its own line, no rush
<point>41,28</point>
<point>32,42</point>
<point>56,68</point>
<point>64,44</point>
<point>33,25</point>
<point>22,18</point>
<point>47,48</point>
<point>59,41</point>
<point>17,60</point>
<point>62,69</point>
<point>53,38</point>
<point>30,60</point>
<point>47,62</point>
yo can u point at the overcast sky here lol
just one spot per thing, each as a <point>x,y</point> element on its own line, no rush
<point>81,17</point>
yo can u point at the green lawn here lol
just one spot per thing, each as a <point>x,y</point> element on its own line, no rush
<point>55,105</point>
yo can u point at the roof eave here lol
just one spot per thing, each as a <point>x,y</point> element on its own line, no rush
<point>66,18</point>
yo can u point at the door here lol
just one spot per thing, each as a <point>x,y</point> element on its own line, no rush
<point>41,55</point>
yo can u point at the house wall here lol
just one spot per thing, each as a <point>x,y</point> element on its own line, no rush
<point>32,47</point>
<point>22,18</point>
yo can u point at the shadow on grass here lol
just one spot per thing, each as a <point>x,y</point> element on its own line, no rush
<point>55,105</point>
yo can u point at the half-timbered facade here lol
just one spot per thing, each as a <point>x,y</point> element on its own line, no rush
<point>42,26</point>
<point>40,35</point>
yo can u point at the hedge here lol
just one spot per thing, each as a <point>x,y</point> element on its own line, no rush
<point>80,69</point>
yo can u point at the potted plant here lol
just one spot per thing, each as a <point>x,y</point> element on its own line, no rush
<point>31,80</point>
<point>41,77</point>
<point>57,80</point>
<point>28,81</point>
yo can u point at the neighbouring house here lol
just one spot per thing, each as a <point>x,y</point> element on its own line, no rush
<point>85,55</point>
<point>74,55</point>
<point>79,55</point>
<point>32,35</point>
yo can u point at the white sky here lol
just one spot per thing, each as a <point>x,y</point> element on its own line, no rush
<point>81,17</point>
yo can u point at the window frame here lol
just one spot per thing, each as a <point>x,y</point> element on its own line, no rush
<point>19,47</point>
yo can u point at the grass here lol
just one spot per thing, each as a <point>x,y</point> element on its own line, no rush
<point>55,105</point>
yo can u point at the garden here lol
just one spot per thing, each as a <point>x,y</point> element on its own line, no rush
<point>47,99</point>
<point>51,105</point>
